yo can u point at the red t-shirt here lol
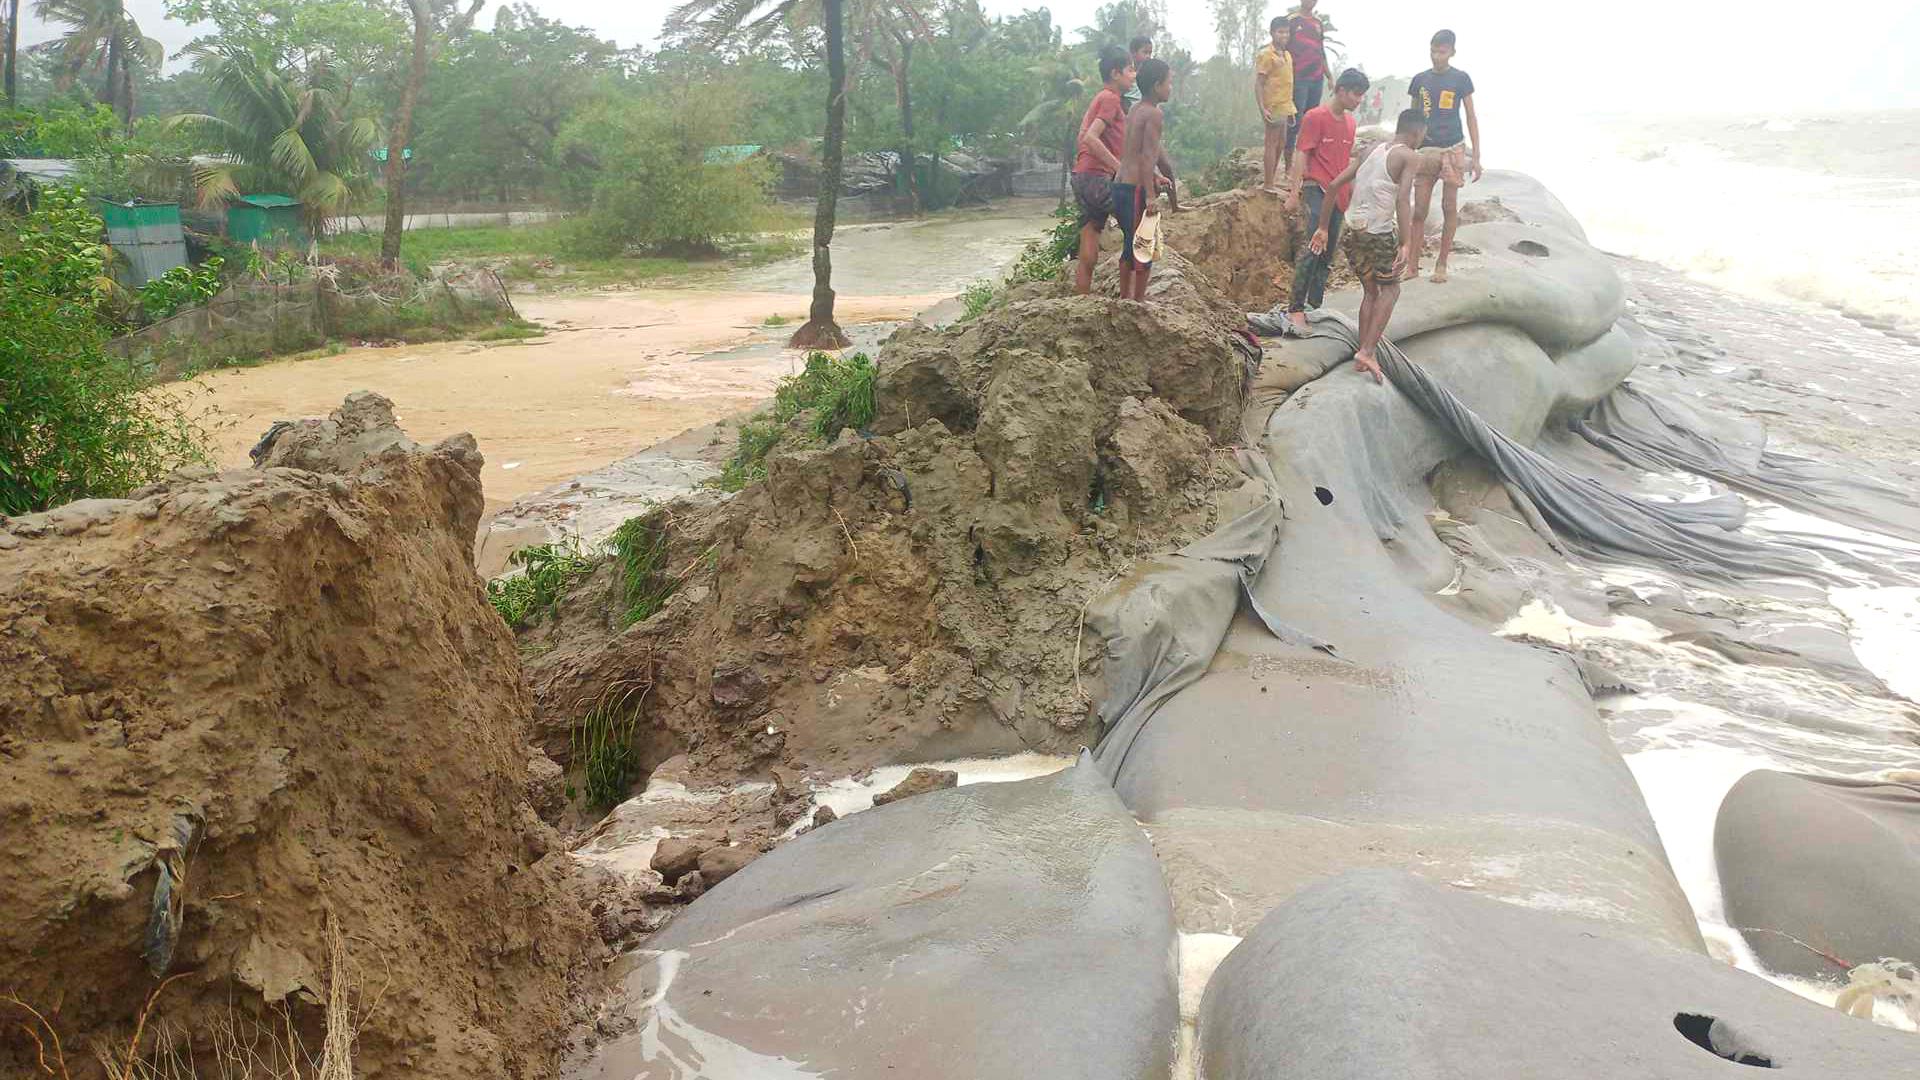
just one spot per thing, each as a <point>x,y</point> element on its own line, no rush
<point>1308,49</point>
<point>1106,106</point>
<point>1328,143</point>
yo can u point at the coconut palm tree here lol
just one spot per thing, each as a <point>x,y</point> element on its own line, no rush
<point>280,130</point>
<point>10,55</point>
<point>100,34</point>
<point>1066,92</point>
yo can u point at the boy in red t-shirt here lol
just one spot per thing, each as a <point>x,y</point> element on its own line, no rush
<point>1306,40</point>
<point>1103,135</point>
<point>1324,152</point>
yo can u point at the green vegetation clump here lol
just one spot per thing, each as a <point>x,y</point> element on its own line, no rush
<point>549,569</point>
<point>181,287</point>
<point>640,547</point>
<point>977,298</point>
<point>837,390</point>
<point>74,422</point>
<point>1045,259</point>
<point>601,745</point>
<point>514,330</point>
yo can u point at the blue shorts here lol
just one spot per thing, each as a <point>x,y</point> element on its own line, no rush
<point>1129,206</point>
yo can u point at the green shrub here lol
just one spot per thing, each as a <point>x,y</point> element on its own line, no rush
<point>1045,258</point>
<point>181,287</point>
<point>640,547</point>
<point>649,185</point>
<point>838,391</point>
<point>549,569</point>
<point>976,297</point>
<point>74,422</point>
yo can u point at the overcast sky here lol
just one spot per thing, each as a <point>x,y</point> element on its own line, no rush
<point>1671,56</point>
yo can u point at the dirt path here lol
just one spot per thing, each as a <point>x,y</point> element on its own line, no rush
<point>616,373</point>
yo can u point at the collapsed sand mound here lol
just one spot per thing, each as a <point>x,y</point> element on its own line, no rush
<point>237,705</point>
<point>917,595</point>
<point>1244,241</point>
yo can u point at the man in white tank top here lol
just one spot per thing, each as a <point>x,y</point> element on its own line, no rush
<point>1378,227</point>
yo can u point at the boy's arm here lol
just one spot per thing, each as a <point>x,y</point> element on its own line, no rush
<point>1090,140</point>
<point>1319,242</point>
<point>1166,170</point>
<point>1154,125</point>
<point>1260,95</point>
<point>1403,210</point>
<point>1473,132</point>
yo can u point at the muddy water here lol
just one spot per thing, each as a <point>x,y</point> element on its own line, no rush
<point>621,370</point>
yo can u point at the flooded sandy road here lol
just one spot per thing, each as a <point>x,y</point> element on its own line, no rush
<point>620,370</point>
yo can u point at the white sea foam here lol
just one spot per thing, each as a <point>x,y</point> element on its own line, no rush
<point>1885,627</point>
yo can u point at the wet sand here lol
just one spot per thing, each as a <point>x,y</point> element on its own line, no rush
<point>621,370</point>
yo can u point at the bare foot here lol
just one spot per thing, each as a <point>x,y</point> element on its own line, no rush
<point>1365,362</point>
<point>1413,272</point>
<point>1439,273</point>
<point>1271,189</point>
<point>1299,320</point>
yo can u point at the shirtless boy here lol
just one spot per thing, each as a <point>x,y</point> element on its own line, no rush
<point>1379,233</point>
<point>1443,95</point>
<point>1134,195</point>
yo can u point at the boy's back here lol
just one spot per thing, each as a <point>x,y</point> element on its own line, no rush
<point>1144,126</point>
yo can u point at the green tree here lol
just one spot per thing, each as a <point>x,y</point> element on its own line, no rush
<point>10,56</point>
<point>1064,95</point>
<point>280,130</point>
<point>648,181</point>
<point>74,423</point>
<point>100,34</point>
<point>719,21</point>
<point>435,23</point>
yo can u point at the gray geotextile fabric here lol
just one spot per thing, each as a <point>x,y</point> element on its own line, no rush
<point>1698,538</point>
<point>1663,436</point>
<point>1821,874</point>
<point>1016,929</point>
<point>1376,975</point>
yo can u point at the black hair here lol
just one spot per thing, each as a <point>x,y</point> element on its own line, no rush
<point>1152,74</point>
<point>1278,22</point>
<point>1113,59</point>
<point>1141,42</point>
<point>1353,79</point>
<point>1410,119</point>
<point>1444,37</point>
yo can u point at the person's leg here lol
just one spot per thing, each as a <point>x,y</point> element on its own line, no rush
<point>1422,199</point>
<point>1089,254</point>
<point>1369,294</point>
<point>1323,267</point>
<point>1303,261</point>
<point>1270,162</point>
<point>1306,95</point>
<point>1449,223</point>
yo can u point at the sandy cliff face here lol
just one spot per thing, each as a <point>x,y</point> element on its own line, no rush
<point>236,706</point>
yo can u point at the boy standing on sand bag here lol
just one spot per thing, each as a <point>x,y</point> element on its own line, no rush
<point>1380,216</point>
<point>1443,95</point>
<point>1134,196</point>
<point>1273,90</point>
<point>1103,135</point>
<point>1324,152</point>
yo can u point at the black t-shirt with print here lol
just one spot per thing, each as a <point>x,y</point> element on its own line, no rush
<point>1441,95</point>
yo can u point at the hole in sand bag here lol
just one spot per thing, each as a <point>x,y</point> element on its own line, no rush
<point>1530,248</point>
<point>1325,496</point>
<point>1720,1040</point>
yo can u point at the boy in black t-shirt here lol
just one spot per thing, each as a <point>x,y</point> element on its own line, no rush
<point>1444,95</point>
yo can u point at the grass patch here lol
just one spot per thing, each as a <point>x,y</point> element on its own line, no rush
<point>550,568</point>
<point>776,320</point>
<point>538,253</point>
<point>977,298</point>
<point>601,745</point>
<point>1046,258</point>
<point>838,391</point>
<point>640,547</point>
<point>517,330</point>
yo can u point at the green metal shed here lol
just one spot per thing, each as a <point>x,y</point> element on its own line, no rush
<point>270,220</point>
<point>147,235</point>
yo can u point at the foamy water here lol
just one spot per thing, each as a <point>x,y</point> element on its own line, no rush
<point>1823,210</point>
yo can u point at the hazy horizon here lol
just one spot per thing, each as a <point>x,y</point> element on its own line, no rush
<point>1696,60</point>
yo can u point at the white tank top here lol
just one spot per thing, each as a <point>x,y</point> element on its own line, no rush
<point>1374,194</point>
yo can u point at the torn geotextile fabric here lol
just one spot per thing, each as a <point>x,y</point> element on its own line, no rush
<point>1162,626</point>
<point>1698,538</point>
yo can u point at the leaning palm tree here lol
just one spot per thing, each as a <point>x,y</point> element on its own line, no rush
<point>719,21</point>
<point>280,130</point>
<point>101,34</point>
<point>1065,94</point>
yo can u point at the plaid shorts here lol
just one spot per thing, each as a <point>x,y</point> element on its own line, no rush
<point>1372,254</point>
<point>1094,192</point>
